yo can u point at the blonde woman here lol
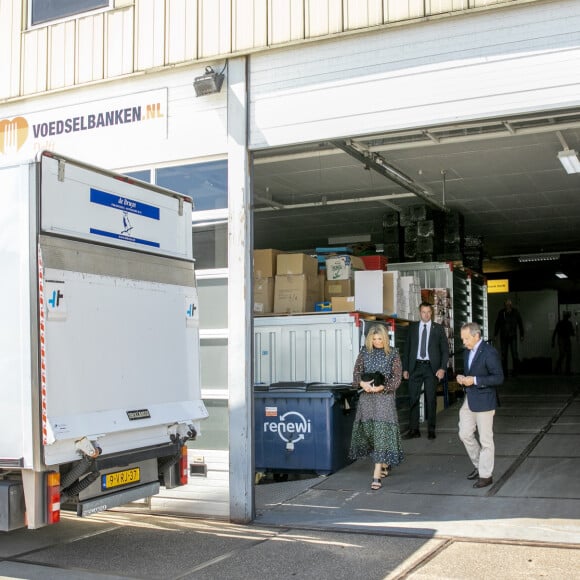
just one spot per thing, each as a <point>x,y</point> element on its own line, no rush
<point>375,432</point>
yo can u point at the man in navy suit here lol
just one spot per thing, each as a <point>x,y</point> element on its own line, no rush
<point>424,361</point>
<point>484,373</point>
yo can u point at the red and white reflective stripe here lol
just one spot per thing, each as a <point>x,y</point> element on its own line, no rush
<point>41,320</point>
<point>183,466</point>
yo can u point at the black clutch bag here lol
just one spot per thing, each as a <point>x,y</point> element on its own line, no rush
<point>376,377</point>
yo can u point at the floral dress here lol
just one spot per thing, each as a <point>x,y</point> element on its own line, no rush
<point>375,432</point>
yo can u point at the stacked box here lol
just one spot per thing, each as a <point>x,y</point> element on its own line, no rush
<point>341,267</point>
<point>442,303</point>
<point>265,263</point>
<point>473,253</point>
<point>342,303</point>
<point>292,264</point>
<point>454,228</point>
<point>376,292</point>
<point>264,273</point>
<point>410,251</point>
<point>409,297</point>
<point>338,288</point>
<point>295,293</point>
<point>297,285</point>
<point>263,295</point>
<point>393,236</point>
<point>393,252</point>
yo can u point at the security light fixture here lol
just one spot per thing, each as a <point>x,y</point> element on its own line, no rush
<point>208,83</point>
<point>561,275</point>
<point>569,160</point>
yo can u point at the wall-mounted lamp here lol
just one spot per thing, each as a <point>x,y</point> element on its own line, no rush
<point>569,160</point>
<point>561,275</point>
<point>208,83</point>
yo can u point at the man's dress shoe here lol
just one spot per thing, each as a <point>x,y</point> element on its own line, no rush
<point>412,434</point>
<point>431,435</point>
<point>483,482</point>
<point>474,474</point>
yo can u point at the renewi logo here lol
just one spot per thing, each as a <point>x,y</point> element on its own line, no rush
<point>291,427</point>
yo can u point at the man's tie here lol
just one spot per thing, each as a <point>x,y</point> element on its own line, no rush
<point>423,351</point>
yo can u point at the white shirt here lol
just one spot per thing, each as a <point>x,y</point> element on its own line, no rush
<point>472,353</point>
<point>428,329</point>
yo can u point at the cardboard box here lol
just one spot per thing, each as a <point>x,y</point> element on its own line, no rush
<point>342,303</point>
<point>265,263</point>
<point>263,295</point>
<point>338,288</point>
<point>295,293</point>
<point>342,267</point>
<point>338,268</point>
<point>293,264</point>
<point>376,292</point>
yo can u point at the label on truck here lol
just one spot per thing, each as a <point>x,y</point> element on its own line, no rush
<point>88,204</point>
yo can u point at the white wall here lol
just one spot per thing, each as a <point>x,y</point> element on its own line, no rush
<point>474,66</point>
<point>189,128</point>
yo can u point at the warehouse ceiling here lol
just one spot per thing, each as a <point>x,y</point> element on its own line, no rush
<point>503,175</point>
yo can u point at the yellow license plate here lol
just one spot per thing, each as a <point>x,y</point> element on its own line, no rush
<point>119,478</point>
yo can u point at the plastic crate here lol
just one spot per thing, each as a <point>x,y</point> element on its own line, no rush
<point>375,262</point>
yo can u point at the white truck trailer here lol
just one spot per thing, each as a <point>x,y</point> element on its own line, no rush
<point>99,340</point>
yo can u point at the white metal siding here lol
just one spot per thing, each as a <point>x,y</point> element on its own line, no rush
<point>214,27</point>
<point>480,65</point>
<point>286,21</point>
<point>61,50</point>
<point>323,17</point>
<point>90,45</point>
<point>249,24</point>
<point>119,43</point>
<point>403,9</point>
<point>9,48</point>
<point>363,14</point>
<point>182,37</point>
<point>34,54</point>
<point>150,34</point>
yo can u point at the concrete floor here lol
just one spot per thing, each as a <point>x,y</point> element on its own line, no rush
<point>427,522</point>
<point>537,468</point>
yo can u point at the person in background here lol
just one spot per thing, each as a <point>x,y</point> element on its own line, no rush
<point>564,332</point>
<point>375,431</point>
<point>507,325</point>
<point>483,373</point>
<point>425,359</point>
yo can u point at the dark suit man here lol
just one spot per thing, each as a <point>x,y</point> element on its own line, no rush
<point>484,373</point>
<point>424,363</point>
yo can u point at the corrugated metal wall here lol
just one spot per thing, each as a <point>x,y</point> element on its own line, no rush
<point>140,35</point>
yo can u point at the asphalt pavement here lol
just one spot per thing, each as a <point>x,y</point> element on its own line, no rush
<point>427,521</point>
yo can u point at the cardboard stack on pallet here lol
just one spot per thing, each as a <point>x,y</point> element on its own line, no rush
<point>264,275</point>
<point>297,286</point>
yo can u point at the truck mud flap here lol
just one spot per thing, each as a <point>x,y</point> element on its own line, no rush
<point>111,500</point>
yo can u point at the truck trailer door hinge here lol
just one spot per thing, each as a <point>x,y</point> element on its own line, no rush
<point>180,206</point>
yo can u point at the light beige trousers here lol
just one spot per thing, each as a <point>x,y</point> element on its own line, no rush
<point>480,452</point>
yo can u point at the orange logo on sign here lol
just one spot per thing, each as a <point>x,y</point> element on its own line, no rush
<point>13,134</point>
